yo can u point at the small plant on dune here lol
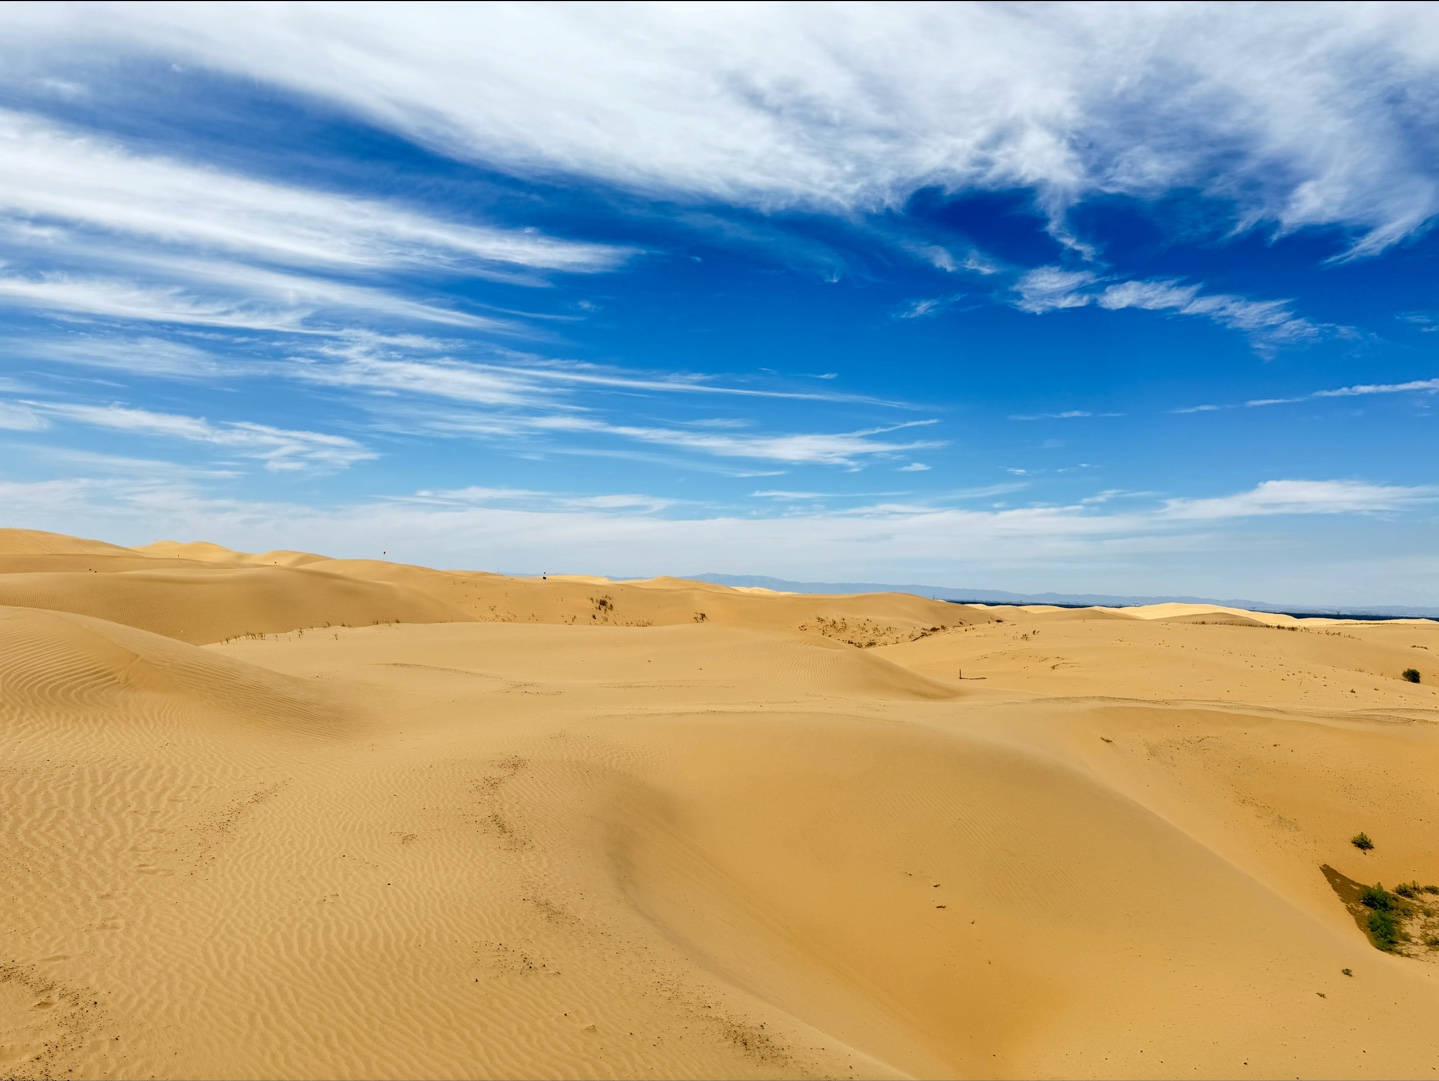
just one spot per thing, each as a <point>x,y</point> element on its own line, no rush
<point>1386,915</point>
<point>1411,674</point>
<point>1362,842</point>
<point>1377,898</point>
<point>1408,889</point>
<point>1385,929</point>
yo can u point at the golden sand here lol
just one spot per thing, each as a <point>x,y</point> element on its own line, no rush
<point>283,816</point>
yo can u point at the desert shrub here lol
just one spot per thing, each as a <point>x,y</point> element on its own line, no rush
<point>1385,929</point>
<point>1411,674</point>
<point>1377,898</point>
<point>1362,842</point>
<point>1408,889</point>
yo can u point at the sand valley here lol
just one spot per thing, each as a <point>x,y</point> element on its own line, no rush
<point>285,816</point>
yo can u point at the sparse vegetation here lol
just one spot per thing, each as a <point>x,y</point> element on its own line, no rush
<point>1347,971</point>
<point>1386,912</point>
<point>865,633</point>
<point>1362,842</point>
<point>1384,930</point>
<point>1377,898</point>
<point>1395,921</point>
<point>1411,674</point>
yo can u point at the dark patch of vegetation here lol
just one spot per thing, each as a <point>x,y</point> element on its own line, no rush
<point>1362,842</point>
<point>1377,898</point>
<point>1384,930</point>
<point>1347,971</point>
<point>1394,921</point>
<point>1411,674</point>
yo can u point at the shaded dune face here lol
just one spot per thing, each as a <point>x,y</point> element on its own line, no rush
<point>553,844</point>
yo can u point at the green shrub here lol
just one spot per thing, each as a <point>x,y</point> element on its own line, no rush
<point>1411,674</point>
<point>1362,842</point>
<point>1377,898</point>
<point>1408,889</point>
<point>1385,929</point>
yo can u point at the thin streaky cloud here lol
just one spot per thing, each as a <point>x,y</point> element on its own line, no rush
<point>53,175</point>
<point>1302,497</point>
<point>1068,414</point>
<point>1413,386</point>
<point>279,448</point>
<point>230,296</point>
<point>1268,323</point>
<point>848,449</point>
<point>1425,386</point>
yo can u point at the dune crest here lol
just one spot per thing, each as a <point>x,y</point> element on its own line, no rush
<point>505,827</point>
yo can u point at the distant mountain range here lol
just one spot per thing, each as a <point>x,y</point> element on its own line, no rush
<point>1063,600</point>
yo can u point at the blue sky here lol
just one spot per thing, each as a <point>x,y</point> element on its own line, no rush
<point>1132,299</point>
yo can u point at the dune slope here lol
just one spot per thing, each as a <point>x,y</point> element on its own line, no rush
<point>734,847</point>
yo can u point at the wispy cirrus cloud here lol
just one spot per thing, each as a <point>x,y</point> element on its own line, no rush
<point>479,496</point>
<point>1296,116</point>
<point>218,294</point>
<point>927,307</point>
<point>1068,414</point>
<point>1268,323</point>
<point>848,449</point>
<point>1052,288</point>
<point>509,378</point>
<point>282,450</point>
<point>1360,390</point>
<point>55,178</point>
<point>1301,497</point>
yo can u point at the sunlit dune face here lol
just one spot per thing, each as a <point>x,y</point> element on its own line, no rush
<point>280,815</point>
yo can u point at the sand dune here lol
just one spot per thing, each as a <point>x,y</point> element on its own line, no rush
<point>521,833</point>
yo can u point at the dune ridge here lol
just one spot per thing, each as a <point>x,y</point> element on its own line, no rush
<point>495,827</point>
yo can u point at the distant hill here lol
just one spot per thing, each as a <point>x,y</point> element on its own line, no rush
<point>1064,600</point>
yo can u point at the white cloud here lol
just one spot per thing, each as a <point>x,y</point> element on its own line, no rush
<point>1050,288</point>
<point>144,355</point>
<point>1424,386</point>
<point>1301,497</point>
<point>1068,414</point>
<point>223,295</point>
<point>1267,322</point>
<point>1302,115</point>
<point>920,309</point>
<point>279,448</point>
<point>20,418</point>
<point>477,496</point>
<point>1182,546</point>
<point>50,176</point>
<point>914,467</point>
<point>1414,386</point>
<point>841,448</point>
